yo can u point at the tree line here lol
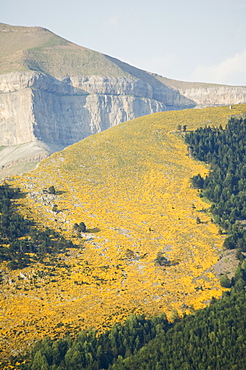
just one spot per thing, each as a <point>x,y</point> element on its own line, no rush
<point>19,236</point>
<point>212,338</point>
<point>225,185</point>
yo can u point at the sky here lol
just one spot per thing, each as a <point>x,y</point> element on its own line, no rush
<point>187,40</point>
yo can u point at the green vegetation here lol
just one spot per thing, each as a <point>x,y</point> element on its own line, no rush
<point>161,260</point>
<point>80,228</point>
<point>19,237</point>
<point>52,190</point>
<point>225,281</point>
<point>89,351</point>
<point>225,185</point>
<point>211,338</point>
<point>36,48</point>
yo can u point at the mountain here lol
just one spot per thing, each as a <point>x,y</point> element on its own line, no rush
<point>61,92</point>
<point>54,93</point>
<point>130,185</point>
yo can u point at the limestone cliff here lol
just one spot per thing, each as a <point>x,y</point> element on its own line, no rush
<point>37,106</point>
<point>216,95</point>
<point>207,95</point>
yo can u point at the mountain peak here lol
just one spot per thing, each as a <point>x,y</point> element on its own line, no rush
<point>38,49</point>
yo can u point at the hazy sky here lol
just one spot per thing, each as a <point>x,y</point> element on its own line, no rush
<point>190,40</point>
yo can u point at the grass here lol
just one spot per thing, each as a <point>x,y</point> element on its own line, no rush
<point>35,48</point>
<point>130,185</point>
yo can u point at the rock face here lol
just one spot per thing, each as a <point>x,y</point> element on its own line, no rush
<point>216,95</point>
<point>36,106</point>
<point>206,94</point>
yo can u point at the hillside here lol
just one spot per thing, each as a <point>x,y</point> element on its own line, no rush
<point>154,344</point>
<point>54,93</point>
<point>38,49</point>
<point>130,185</point>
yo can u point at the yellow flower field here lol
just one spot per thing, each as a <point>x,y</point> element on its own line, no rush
<point>130,185</point>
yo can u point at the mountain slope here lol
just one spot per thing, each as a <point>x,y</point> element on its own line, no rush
<point>38,49</point>
<point>56,93</point>
<point>130,185</point>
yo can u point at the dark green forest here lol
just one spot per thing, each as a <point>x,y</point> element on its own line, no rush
<point>211,339</point>
<point>225,185</point>
<point>19,237</point>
